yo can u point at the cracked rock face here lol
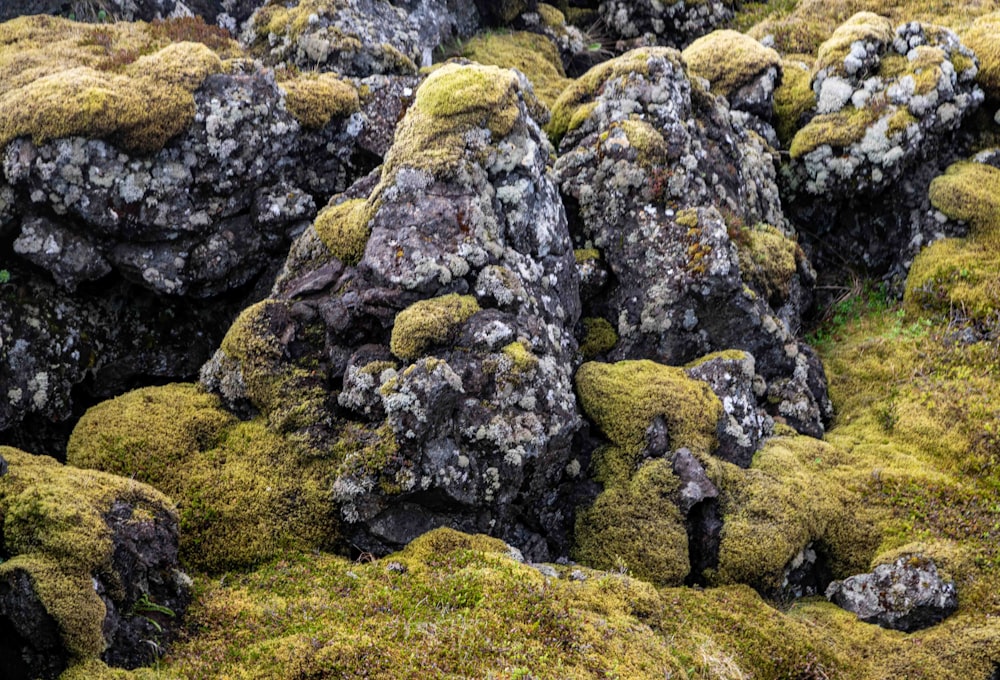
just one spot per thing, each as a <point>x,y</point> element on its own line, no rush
<point>648,176</point>
<point>426,315</point>
<point>906,595</point>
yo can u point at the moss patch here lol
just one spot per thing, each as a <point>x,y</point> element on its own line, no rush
<point>429,322</point>
<point>768,260</point>
<point>981,37</point>
<point>532,54</point>
<point>343,229</point>
<point>793,98</point>
<point>315,99</point>
<point>729,60</point>
<point>598,336</point>
<point>864,27</point>
<point>845,127</point>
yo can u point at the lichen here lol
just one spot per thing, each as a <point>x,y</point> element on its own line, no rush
<point>314,99</point>
<point>863,26</point>
<point>729,60</point>
<point>429,322</point>
<point>532,54</point>
<point>845,127</point>
<point>343,229</point>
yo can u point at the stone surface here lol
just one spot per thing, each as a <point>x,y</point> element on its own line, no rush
<point>657,23</point>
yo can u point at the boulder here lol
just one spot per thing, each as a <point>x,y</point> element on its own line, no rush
<point>651,22</point>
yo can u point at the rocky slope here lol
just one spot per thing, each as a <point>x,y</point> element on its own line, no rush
<point>437,339</point>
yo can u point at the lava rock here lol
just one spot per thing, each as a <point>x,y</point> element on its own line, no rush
<point>656,23</point>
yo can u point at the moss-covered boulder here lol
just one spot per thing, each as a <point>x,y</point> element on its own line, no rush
<point>738,67</point>
<point>88,568</point>
<point>533,54</point>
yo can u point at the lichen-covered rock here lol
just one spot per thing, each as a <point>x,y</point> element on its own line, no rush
<point>89,568</point>
<point>440,21</point>
<point>436,355</point>
<point>907,595</point>
<point>649,161</point>
<point>350,37</point>
<point>658,23</point>
<point>889,102</point>
<point>83,10</point>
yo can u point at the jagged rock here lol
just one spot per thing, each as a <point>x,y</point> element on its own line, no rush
<point>440,21</point>
<point>442,297</point>
<point>89,568</point>
<point>906,595</point>
<point>889,103</point>
<point>656,23</point>
<point>648,162</point>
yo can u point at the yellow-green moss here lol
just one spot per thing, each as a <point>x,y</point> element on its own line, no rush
<point>955,274</point>
<point>365,451</point>
<point>981,37</point>
<point>429,322</point>
<point>864,26</point>
<point>970,192</point>
<point>586,255</point>
<point>793,98</point>
<point>54,531</point>
<point>314,99</point>
<point>243,493</point>
<point>845,127</point>
<point>598,336</point>
<point>343,229</point>
<point>624,398</point>
<point>768,259</point>
<point>551,16</point>
<point>567,110</point>
<point>521,356</point>
<point>532,54</point>
<point>728,60</point>
<point>688,217</point>
<point>651,148</point>
<point>637,526</point>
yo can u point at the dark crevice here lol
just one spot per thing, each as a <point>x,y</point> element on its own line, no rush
<point>704,530</point>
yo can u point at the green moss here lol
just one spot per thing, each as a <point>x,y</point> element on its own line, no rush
<point>651,148</point>
<point>598,337</point>
<point>793,98</point>
<point>314,99</point>
<point>54,531</point>
<point>846,127</point>
<point>568,110</point>
<point>532,54</point>
<point>768,260</point>
<point>521,356</point>
<point>244,494</point>
<point>955,274</point>
<point>729,60</point>
<point>551,16</point>
<point>586,255</point>
<point>981,38</point>
<point>637,526</point>
<point>688,217</point>
<point>970,192</point>
<point>343,229</point>
<point>429,322</point>
<point>624,398</point>
<point>864,26</point>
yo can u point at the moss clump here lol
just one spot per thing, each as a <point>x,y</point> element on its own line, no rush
<point>343,229</point>
<point>845,127</point>
<point>521,356</point>
<point>970,192</point>
<point>574,104</point>
<point>624,398</point>
<point>981,37</point>
<point>598,337</point>
<point>955,274</point>
<point>551,16</point>
<point>863,26</point>
<point>429,322</point>
<point>793,98</point>
<point>651,148</point>
<point>532,54</point>
<point>314,99</point>
<point>120,82</point>
<point>586,255</point>
<point>243,493</point>
<point>729,60</point>
<point>54,530</point>
<point>637,526</point>
<point>768,260</point>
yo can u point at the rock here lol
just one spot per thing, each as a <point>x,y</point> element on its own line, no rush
<point>685,281</point>
<point>89,568</point>
<point>907,595</point>
<point>440,357</point>
<point>656,23</point>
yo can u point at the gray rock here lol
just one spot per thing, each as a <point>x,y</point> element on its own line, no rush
<point>906,595</point>
<point>658,23</point>
<point>695,484</point>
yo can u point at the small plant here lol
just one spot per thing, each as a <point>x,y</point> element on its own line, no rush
<point>4,276</point>
<point>145,606</point>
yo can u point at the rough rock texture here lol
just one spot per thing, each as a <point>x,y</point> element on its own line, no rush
<point>89,568</point>
<point>906,595</point>
<point>350,37</point>
<point>440,21</point>
<point>422,326</point>
<point>889,102</point>
<point>126,10</point>
<point>648,163</point>
<point>657,23</point>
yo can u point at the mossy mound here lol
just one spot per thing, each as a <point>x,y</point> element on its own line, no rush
<point>793,98</point>
<point>970,192</point>
<point>532,54</point>
<point>343,229</point>
<point>865,27</point>
<point>768,260</point>
<point>315,99</point>
<point>54,529</point>
<point>598,336</point>
<point>243,493</point>
<point>429,322</point>
<point>729,60</point>
<point>982,38</point>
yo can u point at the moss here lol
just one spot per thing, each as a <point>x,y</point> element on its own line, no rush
<point>343,229</point>
<point>688,217</point>
<point>729,60</point>
<point>981,38</point>
<point>768,260</point>
<point>863,26</point>
<point>551,16</point>
<point>521,356</point>
<point>567,111</point>
<point>970,192</point>
<point>368,452</point>
<point>243,493</point>
<point>793,98</point>
<point>429,322</point>
<point>532,54</point>
<point>120,82</point>
<point>599,336</point>
<point>846,127</point>
<point>955,274</point>
<point>651,148</point>
<point>624,398</point>
<point>450,103</point>
<point>314,99</point>
<point>637,526</point>
<point>583,255</point>
<point>54,531</point>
